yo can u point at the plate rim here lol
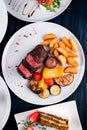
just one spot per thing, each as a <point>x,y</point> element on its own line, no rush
<point>6,24</point>
<point>46,19</point>
<point>7,114</point>
<point>9,43</point>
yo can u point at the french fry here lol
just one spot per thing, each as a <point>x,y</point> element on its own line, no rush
<point>56,54</point>
<point>62,51</point>
<point>73,46</point>
<point>49,36</point>
<point>65,40</point>
<point>72,61</point>
<point>51,50</point>
<point>46,43</point>
<point>67,48</point>
<point>62,44</point>
<point>71,69</point>
<point>71,54</point>
<point>62,60</point>
<point>53,42</point>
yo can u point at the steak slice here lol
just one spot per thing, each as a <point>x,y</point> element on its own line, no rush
<point>39,53</point>
<point>31,63</point>
<point>25,72</point>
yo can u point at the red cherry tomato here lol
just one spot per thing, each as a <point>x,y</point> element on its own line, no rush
<point>41,1</point>
<point>37,76</point>
<point>34,117</point>
<point>49,2</point>
<point>30,128</point>
<point>49,81</point>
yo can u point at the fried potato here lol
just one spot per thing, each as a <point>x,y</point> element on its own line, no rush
<point>73,45</point>
<point>49,36</point>
<point>65,40</point>
<point>71,69</point>
<point>53,42</point>
<point>72,61</point>
<point>56,54</point>
<point>62,51</point>
<point>67,48</point>
<point>51,50</point>
<point>71,54</point>
<point>46,43</point>
<point>62,60</point>
<point>62,44</point>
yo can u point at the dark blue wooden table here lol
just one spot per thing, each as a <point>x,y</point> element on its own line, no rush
<point>74,19</point>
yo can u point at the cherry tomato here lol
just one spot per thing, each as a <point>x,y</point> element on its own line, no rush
<point>49,2</point>
<point>37,76</point>
<point>30,128</point>
<point>41,1</point>
<point>34,117</point>
<point>49,81</point>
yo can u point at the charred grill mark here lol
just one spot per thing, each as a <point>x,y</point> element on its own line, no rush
<point>53,121</point>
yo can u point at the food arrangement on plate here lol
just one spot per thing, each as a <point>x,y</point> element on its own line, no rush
<point>29,10</point>
<point>42,119</point>
<point>50,65</point>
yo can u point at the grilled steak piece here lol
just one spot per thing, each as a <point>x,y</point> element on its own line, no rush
<point>53,121</point>
<point>23,71</point>
<point>32,61</point>
<point>39,53</point>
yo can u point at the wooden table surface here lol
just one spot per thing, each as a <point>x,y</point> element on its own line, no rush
<point>73,18</point>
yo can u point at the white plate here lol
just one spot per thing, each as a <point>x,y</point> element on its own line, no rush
<point>40,14</point>
<point>66,110</point>
<point>5,103</point>
<point>3,19</point>
<point>16,49</point>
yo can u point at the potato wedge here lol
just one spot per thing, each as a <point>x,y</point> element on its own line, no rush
<point>52,73</point>
<point>46,43</point>
<point>62,44</point>
<point>56,54</point>
<point>53,42</point>
<point>65,40</point>
<point>73,45</point>
<point>67,48</point>
<point>71,54</point>
<point>72,61</point>
<point>62,60</point>
<point>49,36</point>
<point>62,51</point>
<point>71,69</point>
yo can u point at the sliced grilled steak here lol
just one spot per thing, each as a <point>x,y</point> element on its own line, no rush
<point>39,53</point>
<point>32,61</point>
<point>24,71</point>
<point>53,121</point>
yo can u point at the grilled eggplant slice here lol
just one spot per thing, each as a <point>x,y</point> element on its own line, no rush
<point>65,80</point>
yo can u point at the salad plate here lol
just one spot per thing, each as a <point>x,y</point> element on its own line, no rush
<point>5,103</point>
<point>3,20</point>
<point>22,9</point>
<point>67,110</point>
<point>21,43</point>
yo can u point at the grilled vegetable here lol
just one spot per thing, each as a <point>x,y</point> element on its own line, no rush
<point>34,86</point>
<point>49,81</point>
<point>51,62</point>
<point>44,94</point>
<point>64,80</point>
<point>52,73</point>
<point>55,90</point>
